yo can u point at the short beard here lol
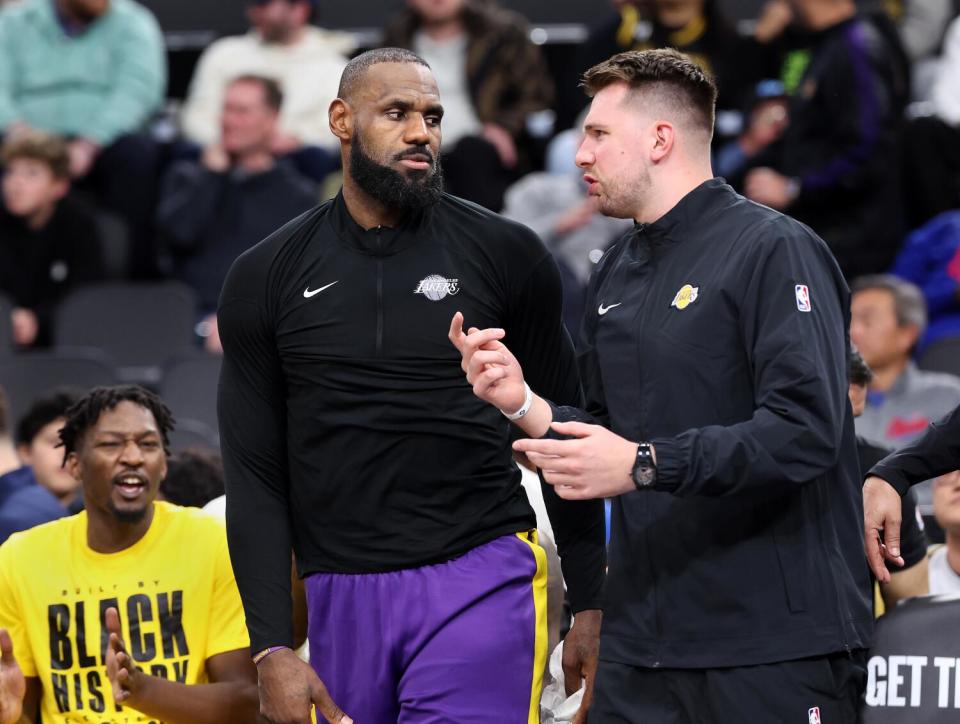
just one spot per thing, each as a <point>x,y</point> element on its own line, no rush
<point>129,516</point>
<point>390,187</point>
<point>621,199</point>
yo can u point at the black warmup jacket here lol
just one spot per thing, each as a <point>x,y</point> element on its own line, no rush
<point>348,429</point>
<point>697,338</point>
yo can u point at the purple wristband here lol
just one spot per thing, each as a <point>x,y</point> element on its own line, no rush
<point>266,652</point>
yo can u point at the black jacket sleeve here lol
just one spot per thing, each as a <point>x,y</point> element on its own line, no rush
<point>544,350</point>
<point>934,453</point>
<point>799,362</point>
<point>252,416</point>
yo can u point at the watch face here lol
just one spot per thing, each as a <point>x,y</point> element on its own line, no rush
<point>643,476</point>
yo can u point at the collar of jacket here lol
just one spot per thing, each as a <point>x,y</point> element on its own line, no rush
<point>687,212</point>
<point>380,240</point>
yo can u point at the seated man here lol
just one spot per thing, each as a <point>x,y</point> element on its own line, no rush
<point>48,242</point>
<point>213,210</point>
<point>945,561</point>
<point>306,61</point>
<point>92,71</point>
<point>152,579</point>
<point>888,316</point>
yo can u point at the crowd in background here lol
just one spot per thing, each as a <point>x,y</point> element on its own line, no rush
<point>844,115</point>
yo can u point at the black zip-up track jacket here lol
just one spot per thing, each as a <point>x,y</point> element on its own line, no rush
<point>719,333</point>
<point>348,429</point>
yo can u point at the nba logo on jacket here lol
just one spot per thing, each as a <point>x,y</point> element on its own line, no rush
<point>813,715</point>
<point>803,298</point>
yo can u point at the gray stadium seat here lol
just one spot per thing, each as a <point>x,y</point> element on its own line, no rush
<point>189,388</point>
<point>140,326</point>
<point>191,434</point>
<point>942,356</point>
<point>6,330</point>
<point>29,375</point>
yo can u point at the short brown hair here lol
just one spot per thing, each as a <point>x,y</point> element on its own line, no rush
<point>272,92</point>
<point>689,87</point>
<point>36,146</point>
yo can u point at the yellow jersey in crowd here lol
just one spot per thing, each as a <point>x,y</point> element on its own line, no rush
<point>174,589</point>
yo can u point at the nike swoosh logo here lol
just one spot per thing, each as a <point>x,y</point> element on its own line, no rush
<point>308,293</point>
<point>603,310</point>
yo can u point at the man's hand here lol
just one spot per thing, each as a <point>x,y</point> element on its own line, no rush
<point>491,368</point>
<point>882,514</point>
<point>581,652</point>
<point>13,686</point>
<point>25,325</point>
<point>500,138</point>
<point>215,159</point>
<point>596,463</point>
<point>83,152</point>
<point>288,687</point>
<point>126,679</point>
<point>767,187</point>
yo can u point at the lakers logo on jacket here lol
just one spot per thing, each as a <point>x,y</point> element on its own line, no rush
<point>685,297</point>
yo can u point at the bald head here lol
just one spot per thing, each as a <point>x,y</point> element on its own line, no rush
<point>356,69</point>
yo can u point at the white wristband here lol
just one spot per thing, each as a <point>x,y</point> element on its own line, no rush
<point>525,408</point>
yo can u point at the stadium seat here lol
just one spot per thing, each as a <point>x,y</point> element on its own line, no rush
<point>942,356</point>
<point>26,376</point>
<point>140,326</point>
<point>189,388</point>
<point>192,434</point>
<point>6,330</point>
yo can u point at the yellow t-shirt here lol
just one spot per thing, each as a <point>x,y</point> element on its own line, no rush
<point>174,590</point>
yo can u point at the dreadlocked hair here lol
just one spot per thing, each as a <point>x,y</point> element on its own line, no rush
<point>84,414</point>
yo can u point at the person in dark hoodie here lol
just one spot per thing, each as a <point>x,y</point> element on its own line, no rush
<point>836,166</point>
<point>213,210</point>
<point>49,243</point>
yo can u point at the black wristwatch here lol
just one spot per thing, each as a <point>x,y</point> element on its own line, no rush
<point>644,469</point>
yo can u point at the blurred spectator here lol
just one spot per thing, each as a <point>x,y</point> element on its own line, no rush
<point>888,316</point>
<point>932,156</point>
<point>213,210</point>
<point>554,203</point>
<point>49,243</point>
<point>92,71</point>
<point>307,63</point>
<point>930,258</point>
<point>194,478</point>
<point>766,122</point>
<point>23,503</point>
<point>9,461</point>
<point>912,579</point>
<point>38,444</point>
<point>945,561</point>
<point>698,28</point>
<point>491,78</point>
<point>921,25</point>
<point>833,168</point>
